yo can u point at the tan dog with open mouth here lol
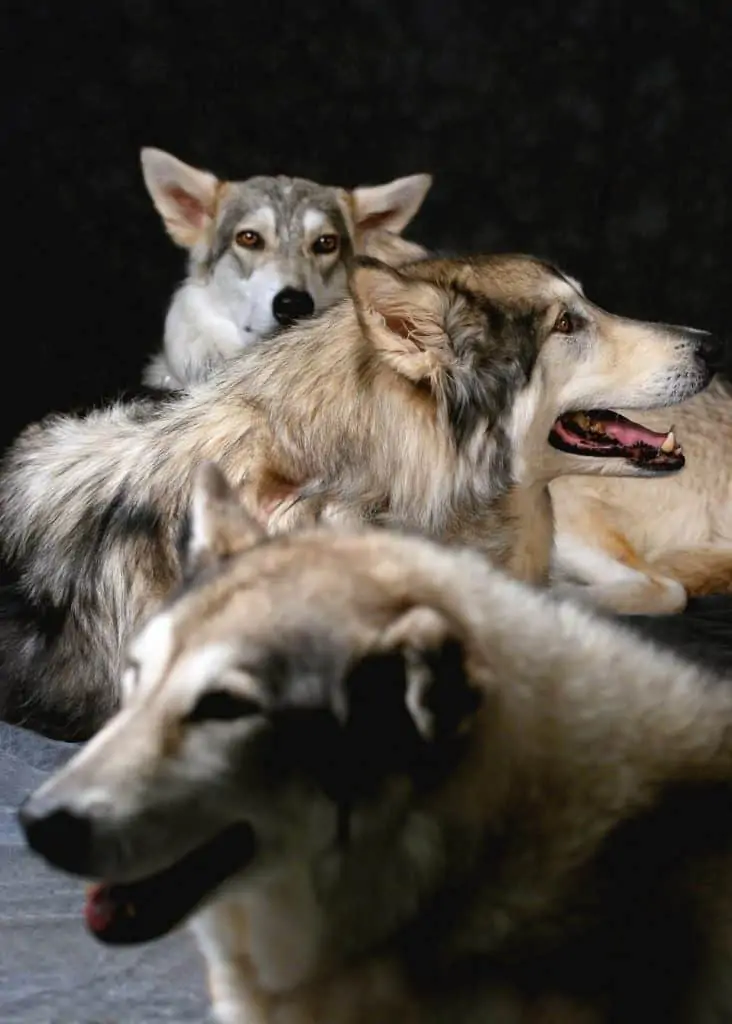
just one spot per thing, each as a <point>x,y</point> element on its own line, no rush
<point>435,399</point>
<point>390,784</point>
<point>643,547</point>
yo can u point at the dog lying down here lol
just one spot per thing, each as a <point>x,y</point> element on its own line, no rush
<point>626,560</point>
<point>435,398</point>
<point>386,783</point>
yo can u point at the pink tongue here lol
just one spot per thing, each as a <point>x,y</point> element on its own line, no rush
<point>629,434</point>
<point>100,909</point>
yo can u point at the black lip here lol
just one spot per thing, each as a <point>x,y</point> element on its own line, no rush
<point>151,907</point>
<point>670,463</point>
<point>651,461</point>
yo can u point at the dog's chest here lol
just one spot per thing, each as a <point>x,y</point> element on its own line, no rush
<point>277,929</point>
<point>201,330</point>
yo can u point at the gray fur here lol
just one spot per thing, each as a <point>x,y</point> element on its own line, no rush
<point>444,797</point>
<point>257,260</point>
<point>289,199</point>
<point>338,419</point>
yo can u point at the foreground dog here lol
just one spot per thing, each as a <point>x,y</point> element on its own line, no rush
<point>392,785</point>
<point>643,547</point>
<point>263,253</point>
<point>437,400</point>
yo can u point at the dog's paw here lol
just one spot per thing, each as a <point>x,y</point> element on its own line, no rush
<point>157,376</point>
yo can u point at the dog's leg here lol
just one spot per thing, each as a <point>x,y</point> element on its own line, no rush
<point>372,991</point>
<point>702,571</point>
<point>159,376</point>
<point>595,561</point>
<point>232,1001</point>
<point>614,577</point>
<point>236,998</point>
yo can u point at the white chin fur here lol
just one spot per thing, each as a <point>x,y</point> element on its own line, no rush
<point>201,333</point>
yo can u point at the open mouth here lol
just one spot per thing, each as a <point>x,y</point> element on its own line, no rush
<point>151,907</point>
<point>607,434</point>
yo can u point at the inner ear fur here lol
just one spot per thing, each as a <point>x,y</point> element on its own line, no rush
<point>184,196</point>
<point>390,248</point>
<point>390,206</point>
<point>438,694</point>
<point>218,524</point>
<point>404,317</point>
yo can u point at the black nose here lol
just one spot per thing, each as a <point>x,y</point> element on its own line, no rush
<point>712,351</point>
<point>290,305</point>
<point>62,837</point>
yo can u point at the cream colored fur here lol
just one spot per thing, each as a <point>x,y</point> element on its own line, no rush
<point>642,546</point>
<point>578,729</point>
<point>228,299</point>
<point>426,403</point>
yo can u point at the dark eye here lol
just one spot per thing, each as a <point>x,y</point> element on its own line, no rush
<point>566,323</point>
<point>249,239</point>
<point>222,706</point>
<point>325,244</point>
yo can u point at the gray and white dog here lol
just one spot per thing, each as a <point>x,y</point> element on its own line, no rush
<point>263,253</point>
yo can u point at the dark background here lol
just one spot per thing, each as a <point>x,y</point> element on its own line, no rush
<point>597,134</point>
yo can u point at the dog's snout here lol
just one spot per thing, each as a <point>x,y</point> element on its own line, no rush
<point>291,305</point>
<point>60,835</point>
<point>711,350</point>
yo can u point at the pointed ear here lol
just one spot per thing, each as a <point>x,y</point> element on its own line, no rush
<point>184,197</point>
<point>404,317</point>
<point>438,694</point>
<point>390,248</point>
<point>408,696</point>
<point>390,206</point>
<point>218,525</point>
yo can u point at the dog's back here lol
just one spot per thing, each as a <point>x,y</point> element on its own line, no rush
<point>423,403</point>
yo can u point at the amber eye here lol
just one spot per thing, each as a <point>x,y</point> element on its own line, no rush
<point>565,323</point>
<point>249,239</point>
<point>325,244</point>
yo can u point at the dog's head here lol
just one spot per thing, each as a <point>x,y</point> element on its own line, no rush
<point>277,711</point>
<point>511,344</point>
<point>278,248</point>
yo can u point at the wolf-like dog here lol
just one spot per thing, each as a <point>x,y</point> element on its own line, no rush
<point>389,784</point>
<point>262,254</point>
<point>645,548</point>
<point>437,399</point>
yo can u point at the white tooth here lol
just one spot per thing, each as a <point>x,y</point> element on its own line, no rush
<point>669,445</point>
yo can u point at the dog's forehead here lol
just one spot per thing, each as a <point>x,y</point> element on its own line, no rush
<point>525,279</point>
<point>510,279</point>
<point>282,654</point>
<point>286,587</point>
<point>294,611</point>
<point>295,203</point>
